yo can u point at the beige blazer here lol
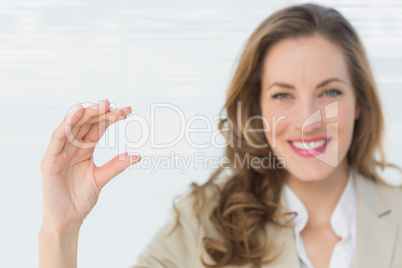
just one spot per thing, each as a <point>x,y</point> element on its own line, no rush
<point>378,241</point>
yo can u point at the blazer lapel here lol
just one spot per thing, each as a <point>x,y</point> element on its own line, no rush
<point>376,232</point>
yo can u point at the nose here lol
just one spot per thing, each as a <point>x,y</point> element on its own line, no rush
<point>308,117</point>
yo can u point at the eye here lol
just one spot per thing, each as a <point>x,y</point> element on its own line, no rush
<point>332,92</point>
<point>281,96</point>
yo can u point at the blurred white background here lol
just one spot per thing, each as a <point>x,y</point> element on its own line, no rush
<point>56,54</point>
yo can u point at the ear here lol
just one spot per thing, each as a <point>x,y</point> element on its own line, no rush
<point>357,112</point>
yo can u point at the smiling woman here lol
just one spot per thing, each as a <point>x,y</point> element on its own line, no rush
<point>305,76</point>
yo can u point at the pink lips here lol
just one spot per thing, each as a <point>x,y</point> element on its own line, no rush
<point>312,152</point>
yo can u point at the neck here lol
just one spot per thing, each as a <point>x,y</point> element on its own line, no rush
<point>320,197</point>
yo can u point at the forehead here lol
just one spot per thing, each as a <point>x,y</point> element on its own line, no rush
<point>305,59</point>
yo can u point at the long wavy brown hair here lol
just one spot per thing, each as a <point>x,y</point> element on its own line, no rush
<point>250,197</point>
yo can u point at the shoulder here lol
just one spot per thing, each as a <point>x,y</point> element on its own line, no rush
<point>378,189</point>
<point>179,241</point>
<point>198,200</point>
<point>193,208</point>
<point>391,193</point>
<point>379,197</point>
<point>392,196</point>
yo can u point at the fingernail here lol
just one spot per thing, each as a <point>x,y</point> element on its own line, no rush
<point>76,107</point>
<point>135,157</point>
<point>128,109</point>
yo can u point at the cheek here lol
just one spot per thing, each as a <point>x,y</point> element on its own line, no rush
<point>274,126</point>
<point>347,120</point>
<point>267,123</point>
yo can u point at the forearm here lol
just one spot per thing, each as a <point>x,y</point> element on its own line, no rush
<point>58,248</point>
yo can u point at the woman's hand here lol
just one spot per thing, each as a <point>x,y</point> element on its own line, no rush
<point>71,182</point>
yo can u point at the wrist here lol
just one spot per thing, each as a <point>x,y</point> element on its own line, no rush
<point>60,231</point>
<point>51,225</point>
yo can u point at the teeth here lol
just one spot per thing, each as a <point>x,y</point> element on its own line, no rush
<point>310,145</point>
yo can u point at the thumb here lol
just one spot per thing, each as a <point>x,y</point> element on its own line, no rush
<point>114,167</point>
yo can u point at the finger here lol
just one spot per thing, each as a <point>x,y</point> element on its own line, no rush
<point>95,128</point>
<point>96,131</point>
<point>59,136</point>
<point>114,167</point>
<point>82,143</point>
<point>89,112</point>
<point>92,112</point>
<point>89,126</point>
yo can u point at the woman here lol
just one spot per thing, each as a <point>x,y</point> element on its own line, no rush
<point>307,96</point>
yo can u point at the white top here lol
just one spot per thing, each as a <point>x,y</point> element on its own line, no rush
<point>343,222</point>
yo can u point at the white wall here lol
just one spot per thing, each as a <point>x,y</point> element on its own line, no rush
<point>56,54</point>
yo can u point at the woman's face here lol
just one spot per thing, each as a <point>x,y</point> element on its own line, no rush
<point>307,95</point>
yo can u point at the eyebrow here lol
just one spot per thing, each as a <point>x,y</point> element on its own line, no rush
<point>322,84</point>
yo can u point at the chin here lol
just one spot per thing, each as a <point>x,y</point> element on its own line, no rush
<point>308,173</point>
